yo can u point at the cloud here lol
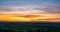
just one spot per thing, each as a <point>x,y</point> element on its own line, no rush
<point>36,7</point>
<point>49,8</point>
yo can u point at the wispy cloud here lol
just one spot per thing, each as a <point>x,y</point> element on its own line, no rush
<point>46,8</point>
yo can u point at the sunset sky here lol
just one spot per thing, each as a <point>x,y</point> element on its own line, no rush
<point>30,10</point>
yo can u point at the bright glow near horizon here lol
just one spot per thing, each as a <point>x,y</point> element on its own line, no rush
<point>30,10</point>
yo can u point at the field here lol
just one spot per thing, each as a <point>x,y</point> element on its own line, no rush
<point>29,27</point>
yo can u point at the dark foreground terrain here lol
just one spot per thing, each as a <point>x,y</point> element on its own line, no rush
<point>29,27</point>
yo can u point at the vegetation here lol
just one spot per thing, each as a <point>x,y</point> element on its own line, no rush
<point>28,28</point>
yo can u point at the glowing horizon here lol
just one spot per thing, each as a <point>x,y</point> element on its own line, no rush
<point>29,18</point>
<point>30,10</point>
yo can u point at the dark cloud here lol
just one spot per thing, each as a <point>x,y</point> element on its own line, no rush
<point>7,9</point>
<point>50,9</point>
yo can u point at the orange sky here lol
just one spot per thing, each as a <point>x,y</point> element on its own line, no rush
<point>29,18</point>
<point>30,10</point>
